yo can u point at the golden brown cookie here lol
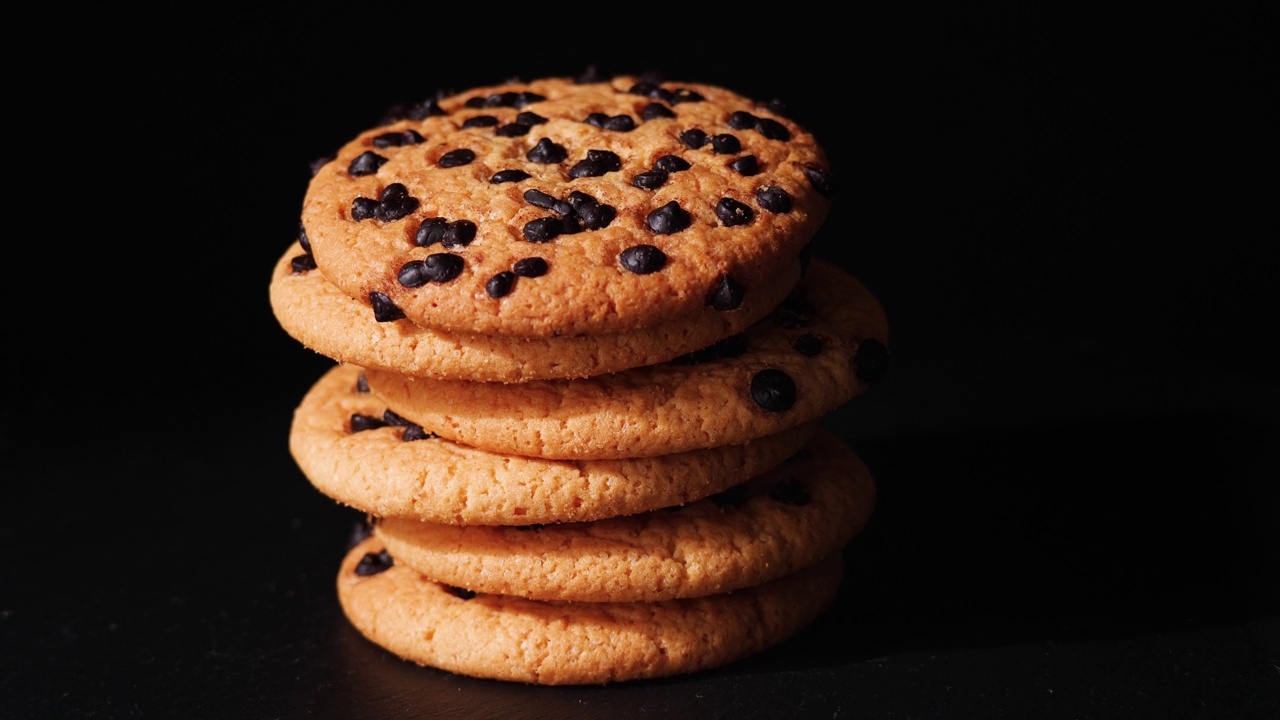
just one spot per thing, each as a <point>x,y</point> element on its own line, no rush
<point>323,318</point>
<point>822,347</point>
<point>351,449</point>
<point>778,522</point>
<point>566,207</point>
<point>563,643</point>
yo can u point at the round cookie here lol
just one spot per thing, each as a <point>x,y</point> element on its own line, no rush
<point>557,643</point>
<point>819,349</point>
<point>565,206</point>
<point>776,523</point>
<point>341,440</point>
<point>323,318</point>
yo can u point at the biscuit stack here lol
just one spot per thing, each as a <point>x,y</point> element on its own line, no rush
<point>582,358</point>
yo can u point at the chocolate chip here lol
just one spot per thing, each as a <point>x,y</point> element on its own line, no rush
<point>480,121</point>
<point>458,233</point>
<point>725,144</point>
<point>671,163</point>
<point>808,344</point>
<point>361,422</point>
<point>362,383</point>
<point>374,563</point>
<point>642,259</point>
<point>773,199</point>
<point>360,531</point>
<point>620,123</point>
<point>539,198</point>
<point>443,267</point>
<point>529,119</point>
<point>500,284</point>
<point>416,432</point>
<point>649,179</point>
<point>693,138</point>
<point>597,163</point>
<point>394,203</point>
<point>315,165</point>
<point>772,129</point>
<point>514,129</point>
<point>732,212</point>
<point>506,176</point>
<point>302,263</point>
<point>747,165</point>
<point>363,208</point>
<point>547,152</point>
<point>303,240</point>
<point>773,390</point>
<point>596,215</point>
<point>684,95</point>
<point>461,593</point>
<point>655,110</point>
<point>733,497</point>
<point>871,360</point>
<point>366,163</point>
<point>596,119</point>
<point>456,158</point>
<point>530,267</point>
<point>391,417</point>
<point>383,309</point>
<point>742,120</point>
<point>413,274</point>
<point>668,219</point>
<point>821,180</point>
<point>790,492</point>
<point>727,293</point>
<point>543,229</point>
<point>398,139</point>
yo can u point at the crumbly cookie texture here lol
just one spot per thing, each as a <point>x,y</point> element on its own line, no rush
<point>565,206</point>
<point>558,643</point>
<point>820,348</point>
<point>354,451</point>
<point>323,318</point>
<point>777,523</point>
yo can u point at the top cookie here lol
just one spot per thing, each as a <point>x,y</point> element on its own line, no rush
<point>565,206</point>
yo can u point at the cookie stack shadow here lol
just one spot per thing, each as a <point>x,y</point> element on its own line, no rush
<point>585,507</point>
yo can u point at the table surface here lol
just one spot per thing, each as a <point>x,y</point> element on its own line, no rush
<point>1075,447</point>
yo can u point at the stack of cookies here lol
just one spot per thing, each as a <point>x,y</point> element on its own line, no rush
<point>582,353</point>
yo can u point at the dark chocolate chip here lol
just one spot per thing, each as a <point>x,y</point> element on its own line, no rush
<point>773,199</point>
<point>398,139</point>
<point>671,163</point>
<point>747,165</point>
<point>871,360</point>
<point>458,233</point>
<point>742,120</point>
<point>514,129</point>
<point>529,119</point>
<point>395,203</point>
<point>500,284</point>
<point>361,422</point>
<point>362,383</point>
<point>732,212</point>
<point>597,163</point>
<point>547,152</point>
<point>374,563</point>
<point>650,179</point>
<point>642,259</point>
<point>808,344</point>
<point>773,390</point>
<point>302,263</point>
<point>543,229</point>
<point>655,110</point>
<point>430,232</point>
<point>772,129</point>
<point>413,274</point>
<point>413,431</point>
<point>596,119</point>
<point>596,215</point>
<point>363,208</point>
<point>693,138</point>
<point>684,95</point>
<point>727,293</point>
<point>457,158</point>
<point>461,593</point>
<point>480,121</point>
<point>578,199</point>
<point>539,198</point>
<point>725,144</point>
<point>360,531</point>
<point>366,163</point>
<point>506,176</point>
<point>620,123</point>
<point>733,497</point>
<point>443,267</point>
<point>790,491</point>
<point>383,309</point>
<point>303,240</point>
<point>530,267</point>
<point>668,219</point>
<point>821,180</point>
<point>392,417</point>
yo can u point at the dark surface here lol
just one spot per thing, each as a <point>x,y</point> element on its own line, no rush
<point>1076,445</point>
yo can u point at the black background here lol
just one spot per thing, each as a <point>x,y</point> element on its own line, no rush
<point>1065,217</point>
